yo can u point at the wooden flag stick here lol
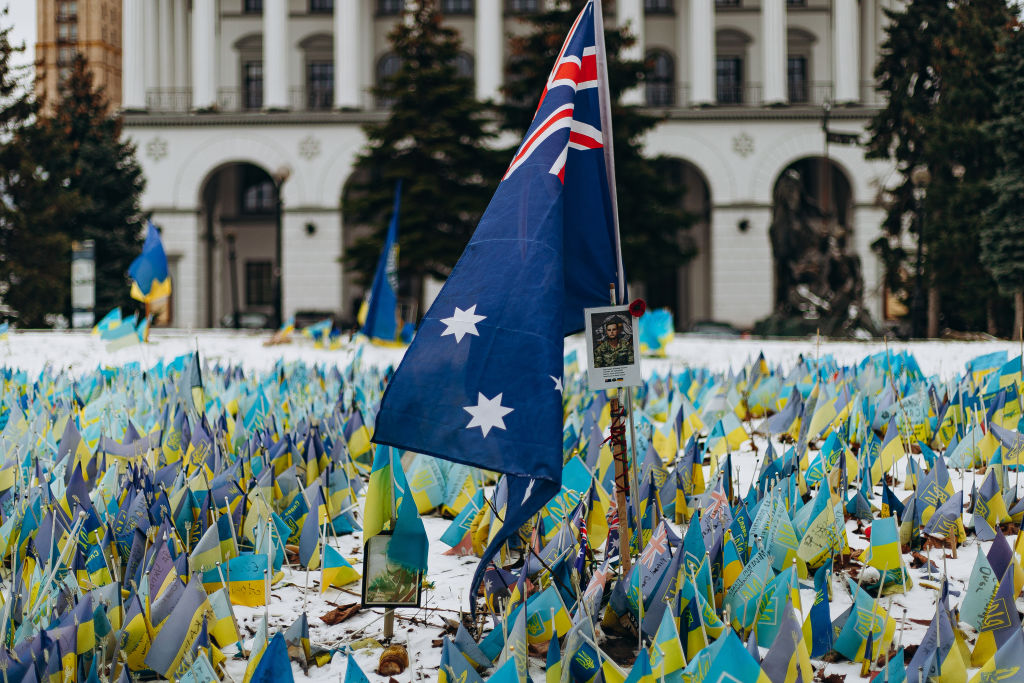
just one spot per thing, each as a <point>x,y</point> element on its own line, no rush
<point>618,445</point>
<point>621,482</point>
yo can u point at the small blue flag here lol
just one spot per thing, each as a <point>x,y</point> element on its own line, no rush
<point>150,280</point>
<point>381,321</point>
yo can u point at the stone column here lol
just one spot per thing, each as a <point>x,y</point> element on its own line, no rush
<point>630,14</point>
<point>204,54</point>
<point>700,36</point>
<point>846,39</point>
<point>867,224</point>
<point>180,45</point>
<point>151,38</point>
<point>133,69</point>
<point>348,85</point>
<point>741,265</point>
<point>166,44</point>
<point>275,54</point>
<point>773,42</point>
<point>490,42</point>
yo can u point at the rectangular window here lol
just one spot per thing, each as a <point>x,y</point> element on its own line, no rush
<point>729,80</point>
<point>67,10</point>
<point>796,77</point>
<point>457,6</point>
<point>727,3</point>
<point>259,283</point>
<point>389,7</point>
<point>658,6</point>
<point>252,78</point>
<point>796,3</point>
<point>521,6</point>
<point>252,6</point>
<point>321,6</point>
<point>65,56</point>
<point>257,194</point>
<point>320,90</point>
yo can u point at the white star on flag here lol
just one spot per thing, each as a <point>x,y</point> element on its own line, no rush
<point>487,413</point>
<point>462,322</point>
<point>558,383</point>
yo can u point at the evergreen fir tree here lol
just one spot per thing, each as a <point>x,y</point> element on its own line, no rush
<point>436,140</point>
<point>649,190</point>
<point>102,171</point>
<point>34,207</point>
<point>916,38</point>
<point>1002,238</point>
<point>962,149</point>
<point>937,72</point>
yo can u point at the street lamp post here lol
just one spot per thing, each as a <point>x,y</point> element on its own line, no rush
<point>920,177</point>
<point>233,270</point>
<point>279,177</point>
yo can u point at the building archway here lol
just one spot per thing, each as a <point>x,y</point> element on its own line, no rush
<point>812,195</point>
<point>240,214</point>
<point>826,184</point>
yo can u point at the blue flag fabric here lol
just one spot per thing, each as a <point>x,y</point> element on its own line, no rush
<point>381,321</point>
<point>149,270</point>
<point>481,382</point>
<point>274,665</point>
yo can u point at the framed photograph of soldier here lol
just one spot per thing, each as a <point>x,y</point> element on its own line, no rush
<point>613,348</point>
<point>386,584</point>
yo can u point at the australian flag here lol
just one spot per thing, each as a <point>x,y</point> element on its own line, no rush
<point>481,384</point>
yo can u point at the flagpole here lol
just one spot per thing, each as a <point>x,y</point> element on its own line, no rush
<point>608,146</point>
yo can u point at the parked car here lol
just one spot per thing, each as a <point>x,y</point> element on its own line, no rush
<point>713,328</point>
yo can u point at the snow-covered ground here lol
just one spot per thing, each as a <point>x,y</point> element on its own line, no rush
<point>81,351</point>
<point>421,629</point>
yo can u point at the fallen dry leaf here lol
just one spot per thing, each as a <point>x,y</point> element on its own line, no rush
<point>340,614</point>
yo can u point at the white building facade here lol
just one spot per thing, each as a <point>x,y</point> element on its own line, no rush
<point>247,115</point>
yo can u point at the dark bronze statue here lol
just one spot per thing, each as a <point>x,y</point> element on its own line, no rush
<point>818,283</point>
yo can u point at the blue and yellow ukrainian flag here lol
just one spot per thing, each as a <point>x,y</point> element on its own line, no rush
<point>337,571</point>
<point>150,279</point>
<point>378,316</point>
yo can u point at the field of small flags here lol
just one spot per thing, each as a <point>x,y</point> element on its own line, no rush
<point>195,509</point>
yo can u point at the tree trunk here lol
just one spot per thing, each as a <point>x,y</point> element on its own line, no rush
<point>990,317</point>
<point>1018,313</point>
<point>933,313</point>
<point>416,298</point>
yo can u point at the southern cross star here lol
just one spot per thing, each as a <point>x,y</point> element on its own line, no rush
<point>462,322</point>
<point>487,413</point>
<point>558,383</point>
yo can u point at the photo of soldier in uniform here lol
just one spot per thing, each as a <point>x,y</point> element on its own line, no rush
<point>613,340</point>
<point>613,348</point>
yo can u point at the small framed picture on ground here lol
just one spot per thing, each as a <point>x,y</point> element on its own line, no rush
<point>386,584</point>
<point>613,348</point>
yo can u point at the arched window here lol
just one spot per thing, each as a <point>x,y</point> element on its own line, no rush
<point>798,65</point>
<point>730,55</point>
<point>464,65</point>
<point>661,79</point>
<point>387,66</point>
<point>319,60</point>
<point>250,60</point>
